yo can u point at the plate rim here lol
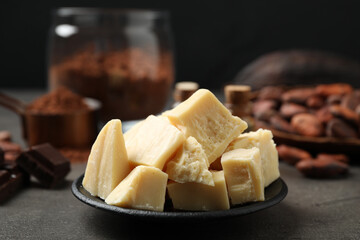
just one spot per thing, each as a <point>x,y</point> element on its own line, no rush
<point>232,212</point>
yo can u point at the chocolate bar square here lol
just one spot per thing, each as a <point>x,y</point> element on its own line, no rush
<point>12,178</point>
<point>45,163</point>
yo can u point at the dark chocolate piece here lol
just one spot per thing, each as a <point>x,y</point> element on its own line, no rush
<point>45,163</point>
<point>12,178</point>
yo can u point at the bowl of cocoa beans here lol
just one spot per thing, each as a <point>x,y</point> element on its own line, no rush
<point>321,118</point>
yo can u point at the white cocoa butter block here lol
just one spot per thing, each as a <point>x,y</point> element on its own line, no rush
<point>200,197</point>
<point>262,139</point>
<point>205,118</point>
<point>153,142</point>
<point>108,162</point>
<point>190,164</point>
<point>243,175</point>
<point>144,188</point>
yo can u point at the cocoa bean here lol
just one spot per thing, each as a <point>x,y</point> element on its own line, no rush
<point>279,123</point>
<point>263,105</point>
<point>5,136</point>
<point>307,124</point>
<point>288,110</point>
<point>333,89</point>
<point>10,147</point>
<point>340,129</point>
<point>315,101</point>
<point>292,155</point>
<point>334,99</point>
<point>344,113</point>
<point>322,168</point>
<point>271,93</point>
<point>351,100</point>
<point>336,157</point>
<point>324,115</point>
<point>265,115</point>
<point>298,95</point>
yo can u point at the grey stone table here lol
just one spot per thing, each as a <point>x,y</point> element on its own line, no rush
<point>313,209</point>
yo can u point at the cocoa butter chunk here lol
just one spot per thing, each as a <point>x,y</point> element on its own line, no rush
<point>108,162</point>
<point>153,141</point>
<point>190,164</point>
<point>205,118</point>
<point>323,168</point>
<point>307,124</point>
<point>340,129</point>
<point>262,139</point>
<point>243,175</point>
<point>144,188</point>
<point>45,163</point>
<point>292,155</point>
<point>200,197</point>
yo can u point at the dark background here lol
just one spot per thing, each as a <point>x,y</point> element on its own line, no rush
<point>213,39</point>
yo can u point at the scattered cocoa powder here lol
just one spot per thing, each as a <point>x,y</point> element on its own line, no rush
<point>59,101</point>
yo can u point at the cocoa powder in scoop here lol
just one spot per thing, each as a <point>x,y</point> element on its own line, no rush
<point>59,101</point>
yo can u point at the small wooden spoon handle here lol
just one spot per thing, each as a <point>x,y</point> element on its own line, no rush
<point>12,104</point>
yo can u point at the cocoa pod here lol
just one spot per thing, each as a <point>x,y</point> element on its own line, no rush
<point>298,66</point>
<point>340,129</point>
<point>279,123</point>
<point>298,95</point>
<point>292,155</point>
<point>288,110</point>
<point>333,89</point>
<point>307,124</point>
<point>336,157</point>
<point>322,168</point>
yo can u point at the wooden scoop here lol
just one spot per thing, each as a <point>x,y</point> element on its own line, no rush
<point>73,130</point>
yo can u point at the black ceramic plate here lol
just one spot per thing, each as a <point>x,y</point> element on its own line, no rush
<point>273,195</point>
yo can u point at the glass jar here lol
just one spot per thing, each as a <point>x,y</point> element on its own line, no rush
<point>124,58</point>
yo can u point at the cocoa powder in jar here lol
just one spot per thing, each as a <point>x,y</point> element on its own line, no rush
<point>130,83</point>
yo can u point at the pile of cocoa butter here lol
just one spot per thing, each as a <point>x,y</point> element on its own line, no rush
<point>324,110</point>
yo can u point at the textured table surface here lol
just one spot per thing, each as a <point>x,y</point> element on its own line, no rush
<point>313,209</point>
